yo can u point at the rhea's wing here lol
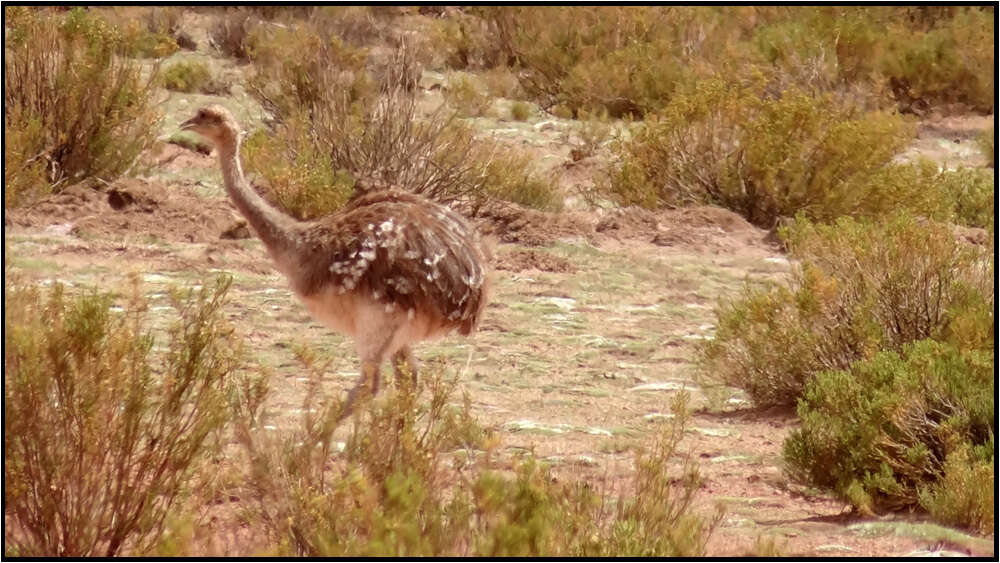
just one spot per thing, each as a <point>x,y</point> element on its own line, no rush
<point>404,251</point>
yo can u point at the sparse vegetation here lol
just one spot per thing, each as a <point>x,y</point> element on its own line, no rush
<point>102,430</point>
<point>401,491</point>
<point>132,426</point>
<point>74,107</point>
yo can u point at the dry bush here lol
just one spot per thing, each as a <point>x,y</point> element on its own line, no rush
<point>862,288</point>
<point>952,62</point>
<point>102,431</point>
<point>146,32</point>
<point>359,26</point>
<point>466,40</point>
<point>74,107</point>
<point>466,97</point>
<point>402,489</point>
<point>435,156</point>
<point>296,68</point>
<point>326,107</point>
<point>520,111</point>
<point>766,157</point>
<point>631,60</point>
<point>233,33</point>
<point>574,57</point>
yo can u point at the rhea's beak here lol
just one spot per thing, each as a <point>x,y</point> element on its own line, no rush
<point>189,124</point>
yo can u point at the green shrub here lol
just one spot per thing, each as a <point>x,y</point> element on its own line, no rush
<point>187,76</point>
<point>893,431</point>
<point>74,108</point>
<point>861,288</point>
<point>765,157</point>
<point>987,147</point>
<point>973,192</point>
<point>298,176</point>
<point>103,430</point>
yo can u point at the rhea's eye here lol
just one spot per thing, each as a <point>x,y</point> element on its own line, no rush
<point>201,114</point>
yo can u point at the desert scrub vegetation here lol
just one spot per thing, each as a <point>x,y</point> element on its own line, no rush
<point>862,287</point>
<point>987,145</point>
<point>885,341</point>
<point>904,429</point>
<point>332,119</point>
<point>103,427</point>
<point>631,60</point>
<point>765,157</point>
<point>191,76</point>
<point>421,478</point>
<point>74,106</point>
<point>468,99</point>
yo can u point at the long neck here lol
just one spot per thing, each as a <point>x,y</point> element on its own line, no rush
<point>274,228</point>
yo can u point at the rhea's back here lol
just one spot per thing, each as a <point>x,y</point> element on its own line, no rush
<point>402,250</point>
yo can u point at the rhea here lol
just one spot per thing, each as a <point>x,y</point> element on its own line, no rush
<point>390,269</point>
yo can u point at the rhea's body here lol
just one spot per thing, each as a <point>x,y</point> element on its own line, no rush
<point>391,269</point>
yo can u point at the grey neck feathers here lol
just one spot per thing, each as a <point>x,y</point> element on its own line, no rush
<point>274,228</point>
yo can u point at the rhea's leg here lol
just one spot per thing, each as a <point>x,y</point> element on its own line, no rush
<point>405,366</point>
<point>366,388</point>
<point>373,346</point>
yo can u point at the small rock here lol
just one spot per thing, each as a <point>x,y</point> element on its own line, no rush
<point>237,231</point>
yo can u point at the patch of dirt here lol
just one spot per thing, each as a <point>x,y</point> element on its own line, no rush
<point>130,207</point>
<point>700,227</point>
<point>172,158</point>
<point>520,259</point>
<point>513,224</point>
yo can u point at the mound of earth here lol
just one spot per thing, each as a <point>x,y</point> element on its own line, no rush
<point>699,227</point>
<point>529,227</point>
<point>518,260</point>
<point>130,207</point>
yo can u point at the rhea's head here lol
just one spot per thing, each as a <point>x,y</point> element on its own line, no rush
<point>215,123</point>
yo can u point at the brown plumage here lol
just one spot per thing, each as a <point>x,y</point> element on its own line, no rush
<point>390,269</point>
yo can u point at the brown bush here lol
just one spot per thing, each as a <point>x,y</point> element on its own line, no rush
<point>102,431</point>
<point>74,107</point>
